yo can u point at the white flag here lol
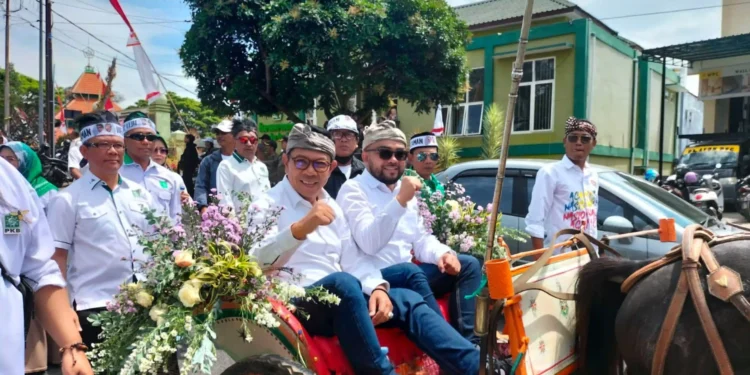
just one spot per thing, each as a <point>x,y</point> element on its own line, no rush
<point>144,69</point>
<point>437,127</point>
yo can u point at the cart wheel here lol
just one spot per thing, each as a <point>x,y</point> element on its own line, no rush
<point>267,364</point>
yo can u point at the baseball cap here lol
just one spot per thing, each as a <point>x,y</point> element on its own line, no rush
<point>225,126</point>
<point>343,122</point>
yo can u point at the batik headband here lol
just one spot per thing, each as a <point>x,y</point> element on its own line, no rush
<point>107,128</point>
<point>573,124</point>
<point>423,141</point>
<point>136,123</point>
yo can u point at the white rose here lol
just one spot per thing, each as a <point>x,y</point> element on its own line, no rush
<point>453,205</point>
<point>144,299</point>
<point>184,259</point>
<point>156,313</point>
<point>189,293</point>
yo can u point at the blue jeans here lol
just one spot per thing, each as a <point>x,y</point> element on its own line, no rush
<point>350,322</point>
<point>410,276</point>
<point>467,281</point>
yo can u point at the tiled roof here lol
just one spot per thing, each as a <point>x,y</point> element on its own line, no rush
<point>86,105</point>
<point>88,84</point>
<point>487,11</point>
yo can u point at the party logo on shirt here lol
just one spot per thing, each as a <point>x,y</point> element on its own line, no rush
<point>164,184</point>
<point>12,222</point>
<point>137,193</point>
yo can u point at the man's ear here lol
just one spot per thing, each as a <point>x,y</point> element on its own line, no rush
<point>365,156</point>
<point>334,164</point>
<point>84,151</point>
<point>284,158</point>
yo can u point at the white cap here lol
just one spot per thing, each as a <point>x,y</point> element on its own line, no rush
<point>343,122</point>
<point>423,141</point>
<point>224,126</point>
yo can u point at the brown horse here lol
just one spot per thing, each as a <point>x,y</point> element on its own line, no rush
<point>614,328</point>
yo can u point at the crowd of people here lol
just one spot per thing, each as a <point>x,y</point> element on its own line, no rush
<point>349,223</point>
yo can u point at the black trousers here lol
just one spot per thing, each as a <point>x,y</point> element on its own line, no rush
<point>89,333</point>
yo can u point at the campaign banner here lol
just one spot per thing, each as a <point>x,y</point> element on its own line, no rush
<point>728,82</point>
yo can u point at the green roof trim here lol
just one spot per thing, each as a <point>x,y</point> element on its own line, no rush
<point>686,54</point>
<point>547,48</point>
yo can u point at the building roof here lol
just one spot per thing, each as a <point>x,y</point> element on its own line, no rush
<point>687,53</point>
<point>88,83</point>
<point>490,11</point>
<point>86,105</point>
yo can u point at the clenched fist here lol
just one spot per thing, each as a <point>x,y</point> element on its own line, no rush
<point>320,214</point>
<point>409,187</point>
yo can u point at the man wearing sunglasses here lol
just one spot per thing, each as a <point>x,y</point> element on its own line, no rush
<point>312,239</point>
<point>205,184</point>
<point>343,130</point>
<point>423,157</point>
<point>140,134</point>
<point>97,221</point>
<point>381,210</point>
<point>243,173</point>
<point>566,193</point>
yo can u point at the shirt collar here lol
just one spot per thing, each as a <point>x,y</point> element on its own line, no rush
<point>94,181</point>
<point>127,160</point>
<point>569,163</point>
<point>373,183</point>
<point>294,198</point>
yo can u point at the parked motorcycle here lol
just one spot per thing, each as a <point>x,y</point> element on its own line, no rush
<point>743,197</point>
<point>706,194</point>
<point>674,185</point>
<point>55,170</point>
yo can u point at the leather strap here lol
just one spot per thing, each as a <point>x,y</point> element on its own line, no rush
<point>669,326</point>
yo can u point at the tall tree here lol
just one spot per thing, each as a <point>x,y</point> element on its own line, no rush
<point>278,56</point>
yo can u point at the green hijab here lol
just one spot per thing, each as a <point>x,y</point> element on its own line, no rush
<point>30,167</point>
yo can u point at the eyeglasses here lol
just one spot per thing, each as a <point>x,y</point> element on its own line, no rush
<point>343,136</point>
<point>387,154</point>
<point>141,136</point>
<point>585,139</point>
<point>106,145</point>
<point>161,151</point>
<point>422,156</point>
<point>245,140</point>
<point>318,165</point>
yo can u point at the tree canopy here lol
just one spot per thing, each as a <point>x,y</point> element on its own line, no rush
<point>195,114</point>
<point>278,56</point>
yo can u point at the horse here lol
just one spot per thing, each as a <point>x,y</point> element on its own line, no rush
<point>614,328</point>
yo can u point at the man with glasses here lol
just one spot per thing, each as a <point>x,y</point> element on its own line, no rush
<point>140,135</point>
<point>381,210</point>
<point>312,239</point>
<point>343,130</point>
<point>423,157</point>
<point>566,193</point>
<point>205,184</point>
<point>243,173</point>
<point>97,222</point>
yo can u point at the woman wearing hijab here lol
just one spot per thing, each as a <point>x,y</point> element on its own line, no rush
<point>21,156</point>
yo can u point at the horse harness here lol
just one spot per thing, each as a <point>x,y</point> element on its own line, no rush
<point>723,283</point>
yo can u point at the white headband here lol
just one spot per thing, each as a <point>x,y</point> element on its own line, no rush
<point>138,123</point>
<point>107,128</point>
<point>423,141</point>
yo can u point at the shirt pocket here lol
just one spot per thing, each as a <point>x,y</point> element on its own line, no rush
<point>139,206</point>
<point>91,213</point>
<point>164,196</point>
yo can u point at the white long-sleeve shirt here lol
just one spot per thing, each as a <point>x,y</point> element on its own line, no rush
<point>26,248</point>
<point>327,250</point>
<point>563,197</point>
<point>383,228</point>
<point>164,185</point>
<point>238,175</point>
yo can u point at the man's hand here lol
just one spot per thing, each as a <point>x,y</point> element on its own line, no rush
<point>184,197</point>
<point>320,214</point>
<point>409,187</point>
<point>381,307</point>
<point>81,366</point>
<point>448,263</point>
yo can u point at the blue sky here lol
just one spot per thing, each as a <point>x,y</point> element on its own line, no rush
<point>164,39</point>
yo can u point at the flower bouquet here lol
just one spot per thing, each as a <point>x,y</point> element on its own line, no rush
<point>193,267</point>
<point>461,224</point>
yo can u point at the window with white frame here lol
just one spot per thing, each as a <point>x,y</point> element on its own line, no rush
<point>534,108</point>
<point>465,118</point>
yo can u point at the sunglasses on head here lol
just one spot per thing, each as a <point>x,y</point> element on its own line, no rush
<point>245,140</point>
<point>422,156</point>
<point>585,139</point>
<point>161,151</point>
<point>387,154</point>
<point>304,163</point>
<point>141,136</point>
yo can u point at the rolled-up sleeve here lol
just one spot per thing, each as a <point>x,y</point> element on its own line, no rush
<point>278,244</point>
<point>355,262</point>
<point>371,232</point>
<point>541,202</point>
<point>38,264</point>
<point>62,229</point>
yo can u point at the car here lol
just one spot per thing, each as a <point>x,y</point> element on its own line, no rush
<point>626,204</point>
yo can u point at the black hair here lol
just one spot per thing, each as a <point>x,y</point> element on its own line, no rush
<point>246,125</point>
<point>266,136</point>
<point>190,138</point>
<point>135,115</point>
<point>272,144</point>
<point>92,118</point>
<point>159,138</point>
<point>411,151</point>
<point>285,138</point>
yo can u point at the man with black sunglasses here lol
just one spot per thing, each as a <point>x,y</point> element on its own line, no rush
<point>566,193</point>
<point>423,157</point>
<point>345,136</point>
<point>164,186</point>
<point>243,173</point>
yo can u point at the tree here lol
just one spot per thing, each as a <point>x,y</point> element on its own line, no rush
<point>195,114</point>
<point>278,56</point>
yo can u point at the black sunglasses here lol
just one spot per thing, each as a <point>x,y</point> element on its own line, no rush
<point>304,163</point>
<point>141,136</point>
<point>387,154</point>
<point>585,139</point>
<point>422,156</point>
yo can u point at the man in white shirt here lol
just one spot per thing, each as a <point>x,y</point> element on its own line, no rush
<point>98,220</point>
<point>311,237</point>
<point>381,209</point>
<point>75,157</point>
<point>137,166</point>
<point>243,173</point>
<point>345,135</point>
<point>566,193</point>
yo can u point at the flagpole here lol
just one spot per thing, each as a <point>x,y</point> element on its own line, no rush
<point>166,91</point>
<point>40,114</point>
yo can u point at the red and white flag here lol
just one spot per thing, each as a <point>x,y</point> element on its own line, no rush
<point>437,126</point>
<point>141,59</point>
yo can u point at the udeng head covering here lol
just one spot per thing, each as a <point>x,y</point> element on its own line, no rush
<point>385,130</point>
<point>304,137</point>
<point>573,124</point>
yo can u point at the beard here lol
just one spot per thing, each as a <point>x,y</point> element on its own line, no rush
<point>380,176</point>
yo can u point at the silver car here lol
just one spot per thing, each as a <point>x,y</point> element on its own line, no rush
<point>626,204</point>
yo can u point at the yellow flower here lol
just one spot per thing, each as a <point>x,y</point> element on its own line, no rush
<point>184,259</point>
<point>144,299</point>
<point>132,287</point>
<point>189,293</point>
<point>453,205</point>
<point>156,313</point>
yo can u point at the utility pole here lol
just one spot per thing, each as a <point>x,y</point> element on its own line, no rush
<point>6,109</point>
<point>50,118</point>
<point>40,112</point>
